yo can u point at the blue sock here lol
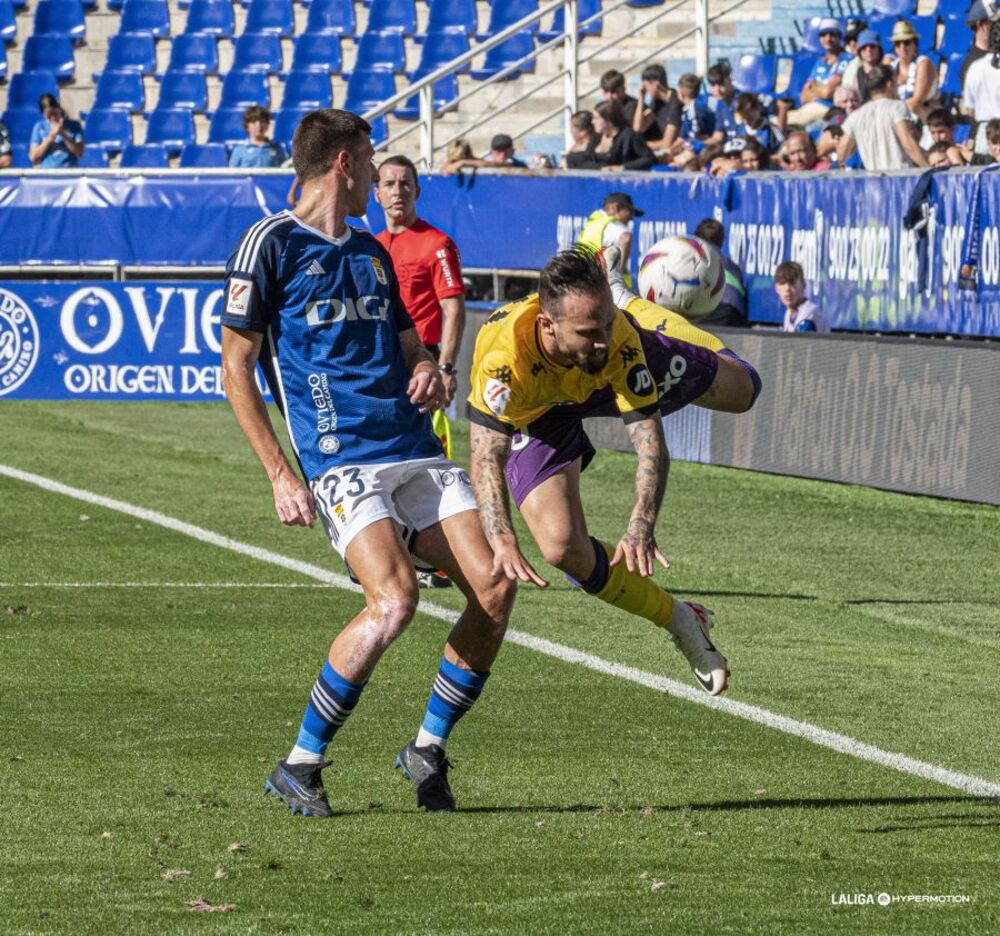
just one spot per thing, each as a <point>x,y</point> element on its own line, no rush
<point>455,689</point>
<point>332,699</point>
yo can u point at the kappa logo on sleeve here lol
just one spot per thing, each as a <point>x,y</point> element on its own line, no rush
<point>496,396</point>
<point>238,298</point>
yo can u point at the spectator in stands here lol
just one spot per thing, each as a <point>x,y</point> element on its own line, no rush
<point>754,157</point>
<point>502,153</point>
<point>817,93</point>
<point>659,117</point>
<point>846,101</point>
<point>611,226</point>
<point>916,75</point>
<point>981,94</point>
<point>585,139</point>
<point>56,141</point>
<point>6,150</point>
<point>459,156</point>
<point>613,89</point>
<point>801,314</point>
<point>259,151</point>
<point>697,122</point>
<point>939,129</point>
<point>729,158</point>
<point>751,111</point>
<point>732,308</point>
<point>826,145</point>
<point>882,129</point>
<point>620,147</point>
<point>799,154</point>
<point>937,156</point>
<point>978,20</point>
<point>869,57</point>
<point>722,102</point>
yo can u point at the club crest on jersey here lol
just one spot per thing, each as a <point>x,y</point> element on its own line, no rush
<point>496,396</point>
<point>379,271</point>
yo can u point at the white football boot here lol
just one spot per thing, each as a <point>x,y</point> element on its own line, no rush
<point>689,629</point>
<point>611,260</point>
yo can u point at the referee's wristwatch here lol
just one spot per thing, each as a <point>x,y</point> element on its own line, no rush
<point>448,369</point>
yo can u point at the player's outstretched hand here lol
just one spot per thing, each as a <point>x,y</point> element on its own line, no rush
<point>426,390</point>
<point>508,561</point>
<point>639,550</point>
<point>293,501</point>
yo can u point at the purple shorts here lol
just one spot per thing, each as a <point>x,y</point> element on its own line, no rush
<point>683,373</point>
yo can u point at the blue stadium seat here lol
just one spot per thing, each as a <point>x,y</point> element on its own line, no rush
<point>445,91</point>
<point>644,3</point>
<point>810,35</point>
<point>146,156</point>
<point>797,67</point>
<point>754,73</point>
<point>226,127</point>
<point>331,16</point>
<point>196,52</point>
<point>398,16</point>
<point>318,52</point>
<point>504,13</point>
<point>273,17</point>
<point>110,129</point>
<point>507,53</point>
<point>94,157</point>
<point>19,5</point>
<point>172,128</point>
<point>3,62</point>
<point>285,124</point>
<point>211,18</point>
<point>21,122</point>
<point>185,90</point>
<point>241,89</point>
<point>307,89</point>
<point>50,53</point>
<point>951,86</point>
<point>926,27</point>
<point>60,18</point>
<point>27,87</point>
<point>585,10</point>
<point>8,22</point>
<point>382,52</point>
<point>883,26</point>
<point>204,156</point>
<point>257,53</point>
<point>19,153</point>
<point>146,17</point>
<point>904,8</point>
<point>131,53</point>
<point>120,91</point>
<point>957,37</point>
<point>380,129</point>
<point>367,89</point>
<point>439,48</point>
<point>452,16</point>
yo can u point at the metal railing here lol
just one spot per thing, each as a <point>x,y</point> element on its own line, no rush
<point>570,40</point>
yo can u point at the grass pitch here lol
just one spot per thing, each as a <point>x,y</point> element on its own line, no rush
<point>141,716</point>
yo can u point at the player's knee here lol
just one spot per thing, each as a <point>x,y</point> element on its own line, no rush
<point>567,556</point>
<point>497,599</point>
<point>392,610</point>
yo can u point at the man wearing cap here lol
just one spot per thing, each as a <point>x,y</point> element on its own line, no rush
<point>981,92</point>
<point>502,153</point>
<point>611,226</point>
<point>978,21</point>
<point>817,93</point>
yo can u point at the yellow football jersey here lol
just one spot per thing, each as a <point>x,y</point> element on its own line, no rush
<point>652,317</point>
<point>514,381</point>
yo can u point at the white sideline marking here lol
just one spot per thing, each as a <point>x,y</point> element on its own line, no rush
<point>977,786</point>
<point>163,585</point>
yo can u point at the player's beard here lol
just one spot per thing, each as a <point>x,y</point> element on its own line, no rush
<point>593,363</point>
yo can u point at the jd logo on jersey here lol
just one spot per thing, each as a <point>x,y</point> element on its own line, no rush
<point>639,380</point>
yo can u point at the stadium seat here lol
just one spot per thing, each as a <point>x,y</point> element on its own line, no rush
<point>791,74</point>
<point>226,127</point>
<point>241,89</point>
<point>186,90</point>
<point>145,17</point>
<point>382,52</point>
<point>94,157</point>
<point>754,73</point>
<point>380,129</point>
<point>951,85</point>
<point>120,91</point>
<point>27,87</point>
<point>285,123</point>
<point>810,35</point>
<point>395,16</point>
<point>131,53</point>
<point>643,3</point>
<point>110,129</point>
<point>194,53</point>
<point>507,53</point>
<point>257,53</point>
<point>3,62</point>
<point>60,18</point>
<point>204,156</point>
<point>306,89</point>
<point>271,17</point>
<point>146,156</point>
<point>904,8</point>
<point>585,10</point>
<point>8,22</point>
<point>368,89</point>
<point>19,153</point>
<point>319,53</point>
<point>21,122</point>
<point>957,37</point>
<point>52,54</point>
<point>172,128</point>
<point>334,17</point>
<point>210,18</point>
<point>445,91</point>
<point>440,48</point>
<point>504,13</point>
<point>452,16</point>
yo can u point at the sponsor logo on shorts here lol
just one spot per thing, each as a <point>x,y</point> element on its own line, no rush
<point>238,297</point>
<point>379,271</point>
<point>338,512</point>
<point>329,444</point>
<point>640,381</point>
<point>18,342</point>
<point>496,396</point>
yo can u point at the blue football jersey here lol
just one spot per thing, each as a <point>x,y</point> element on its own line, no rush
<point>330,312</point>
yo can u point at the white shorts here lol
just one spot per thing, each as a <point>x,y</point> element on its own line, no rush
<point>416,494</point>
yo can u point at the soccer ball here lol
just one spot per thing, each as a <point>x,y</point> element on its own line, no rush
<point>683,274</point>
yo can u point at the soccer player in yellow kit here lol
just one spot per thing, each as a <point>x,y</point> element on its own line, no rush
<point>539,366</point>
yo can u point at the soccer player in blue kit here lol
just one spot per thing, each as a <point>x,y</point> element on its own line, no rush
<point>356,388</point>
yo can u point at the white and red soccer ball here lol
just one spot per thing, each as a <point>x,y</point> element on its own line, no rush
<point>683,274</point>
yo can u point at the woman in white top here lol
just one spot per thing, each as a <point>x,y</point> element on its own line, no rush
<point>916,75</point>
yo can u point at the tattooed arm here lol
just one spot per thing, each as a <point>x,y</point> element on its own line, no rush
<point>490,449</point>
<point>638,546</point>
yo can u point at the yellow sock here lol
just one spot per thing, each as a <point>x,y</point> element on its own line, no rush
<point>635,594</point>
<point>655,318</point>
